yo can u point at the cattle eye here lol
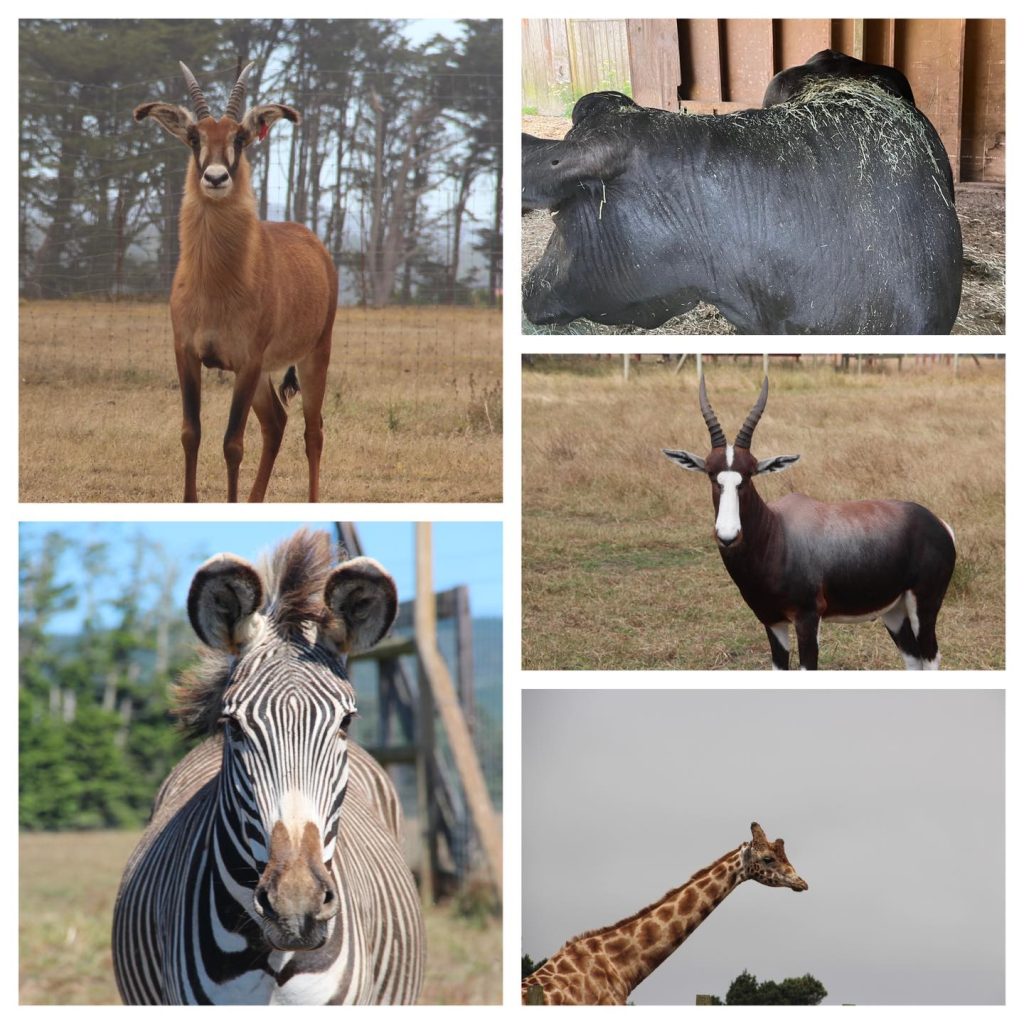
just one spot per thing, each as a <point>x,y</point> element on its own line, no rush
<point>554,163</point>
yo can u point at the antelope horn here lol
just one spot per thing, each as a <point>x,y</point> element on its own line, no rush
<point>234,107</point>
<point>714,428</point>
<point>747,430</point>
<point>199,104</point>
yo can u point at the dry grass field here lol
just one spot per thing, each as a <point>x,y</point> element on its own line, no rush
<point>620,568</point>
<point>413,409</point>
<point>68,883</point>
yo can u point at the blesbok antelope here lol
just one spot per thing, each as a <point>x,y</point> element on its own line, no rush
<point>797,560</point>
<point>249,296</point>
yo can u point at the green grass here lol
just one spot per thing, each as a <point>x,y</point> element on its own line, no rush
<point>67,886</point>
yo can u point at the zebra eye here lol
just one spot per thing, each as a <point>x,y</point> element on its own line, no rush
<point>230,725</point>
<point>347,721</point>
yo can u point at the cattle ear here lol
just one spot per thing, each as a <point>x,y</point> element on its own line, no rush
<point>555,171</point>
<point>224,602</point>
<point>686,460</point>
<point>362,600</point>
<point>776,464</point>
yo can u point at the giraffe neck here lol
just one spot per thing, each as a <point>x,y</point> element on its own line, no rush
<point>644,941</point>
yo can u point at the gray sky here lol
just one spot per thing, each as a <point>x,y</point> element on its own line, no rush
<point>891,804</point>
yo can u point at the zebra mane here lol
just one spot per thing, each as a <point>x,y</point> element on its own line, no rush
<point>294,576</point>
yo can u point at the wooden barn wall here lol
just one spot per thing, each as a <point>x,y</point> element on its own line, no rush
<point>955,67</point>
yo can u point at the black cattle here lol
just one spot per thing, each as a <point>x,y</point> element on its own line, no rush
<point>831,213</point>
<point>832,64</point>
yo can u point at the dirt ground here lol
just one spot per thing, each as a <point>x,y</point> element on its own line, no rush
<point>982,212</point>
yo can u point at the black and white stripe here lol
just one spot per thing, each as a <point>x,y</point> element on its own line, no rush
<point>188,927</point>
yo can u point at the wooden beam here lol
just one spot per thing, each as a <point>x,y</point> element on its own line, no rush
<point>442,688</point>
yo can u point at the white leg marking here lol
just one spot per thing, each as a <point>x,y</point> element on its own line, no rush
<point>911,603</point>
<point>933,666</point>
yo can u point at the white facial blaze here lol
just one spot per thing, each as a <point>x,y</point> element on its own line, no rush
<point>727,525</point>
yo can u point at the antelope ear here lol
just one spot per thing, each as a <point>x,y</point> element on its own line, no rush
<point>224,602</point>
<point>776,464</point>
<point>172,118</point>
<point>362,600</point>
<point>259,120</point>
<point>685,460</point>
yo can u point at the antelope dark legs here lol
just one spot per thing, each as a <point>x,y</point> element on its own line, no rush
<point>247,381</point>
<point>273,417</point>
<point>190,380</point>
<point>312,373</point>
<point>807,640</point>
<point>778,640</point>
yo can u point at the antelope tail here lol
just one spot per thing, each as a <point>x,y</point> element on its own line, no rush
<point>290,385</point>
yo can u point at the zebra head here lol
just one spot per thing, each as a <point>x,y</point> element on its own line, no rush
<point>284,706</point>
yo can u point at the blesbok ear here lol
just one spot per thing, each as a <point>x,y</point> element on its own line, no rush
<point>259,120</point>
<point>224,602</point>
<point>362,600</point>
<point>172,118</point>
<point>686,460</point>
<point>776,464</point>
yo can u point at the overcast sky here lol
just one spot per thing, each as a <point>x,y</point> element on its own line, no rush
<point>891,804</point>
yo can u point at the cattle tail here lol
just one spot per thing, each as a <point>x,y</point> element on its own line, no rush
<point>797,560</point>
<point>251,297</point>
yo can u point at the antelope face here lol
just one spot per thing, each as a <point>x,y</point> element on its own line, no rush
<point>217,145</point>
<point>730,468</point>
<point>218,152</point>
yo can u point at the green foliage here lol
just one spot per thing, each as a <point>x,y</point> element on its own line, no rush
<point>747,991</point>
<point>94,735</point>
<point>529,965</point>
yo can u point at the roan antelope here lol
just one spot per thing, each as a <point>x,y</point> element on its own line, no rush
<point>251,297</point>
<point>797,560</point>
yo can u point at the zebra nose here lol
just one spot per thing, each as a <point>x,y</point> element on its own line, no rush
<point>215,180</point>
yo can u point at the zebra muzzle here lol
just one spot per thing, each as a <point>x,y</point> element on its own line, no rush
<point>296,895</point>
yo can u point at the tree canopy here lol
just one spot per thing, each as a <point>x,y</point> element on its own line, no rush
<point>396,164</point>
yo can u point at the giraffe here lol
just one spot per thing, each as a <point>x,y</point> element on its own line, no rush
<point>602,967</point>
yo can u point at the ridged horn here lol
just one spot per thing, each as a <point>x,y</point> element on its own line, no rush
<point>714,427</point>
<point>747,430</point>
<point>234,107</point>
<point>199,104</point>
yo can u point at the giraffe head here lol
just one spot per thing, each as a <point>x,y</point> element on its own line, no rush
<point>767,862</point>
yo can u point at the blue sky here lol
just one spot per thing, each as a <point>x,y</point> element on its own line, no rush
<point>464,553</point>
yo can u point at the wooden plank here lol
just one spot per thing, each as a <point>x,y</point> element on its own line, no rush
<point>546,77</point>
<point>701,60</point>
<point>929,51</point>
<point>796,39</point>
<point>878,40</point>
<point>848,36</point>
<point>654,72</point>
<point>598,55</point>
<point>983,125</point>
<point>746,60</point>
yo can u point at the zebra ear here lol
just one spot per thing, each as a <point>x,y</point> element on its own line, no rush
<point>224,602</point>
<point>362,600</point>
